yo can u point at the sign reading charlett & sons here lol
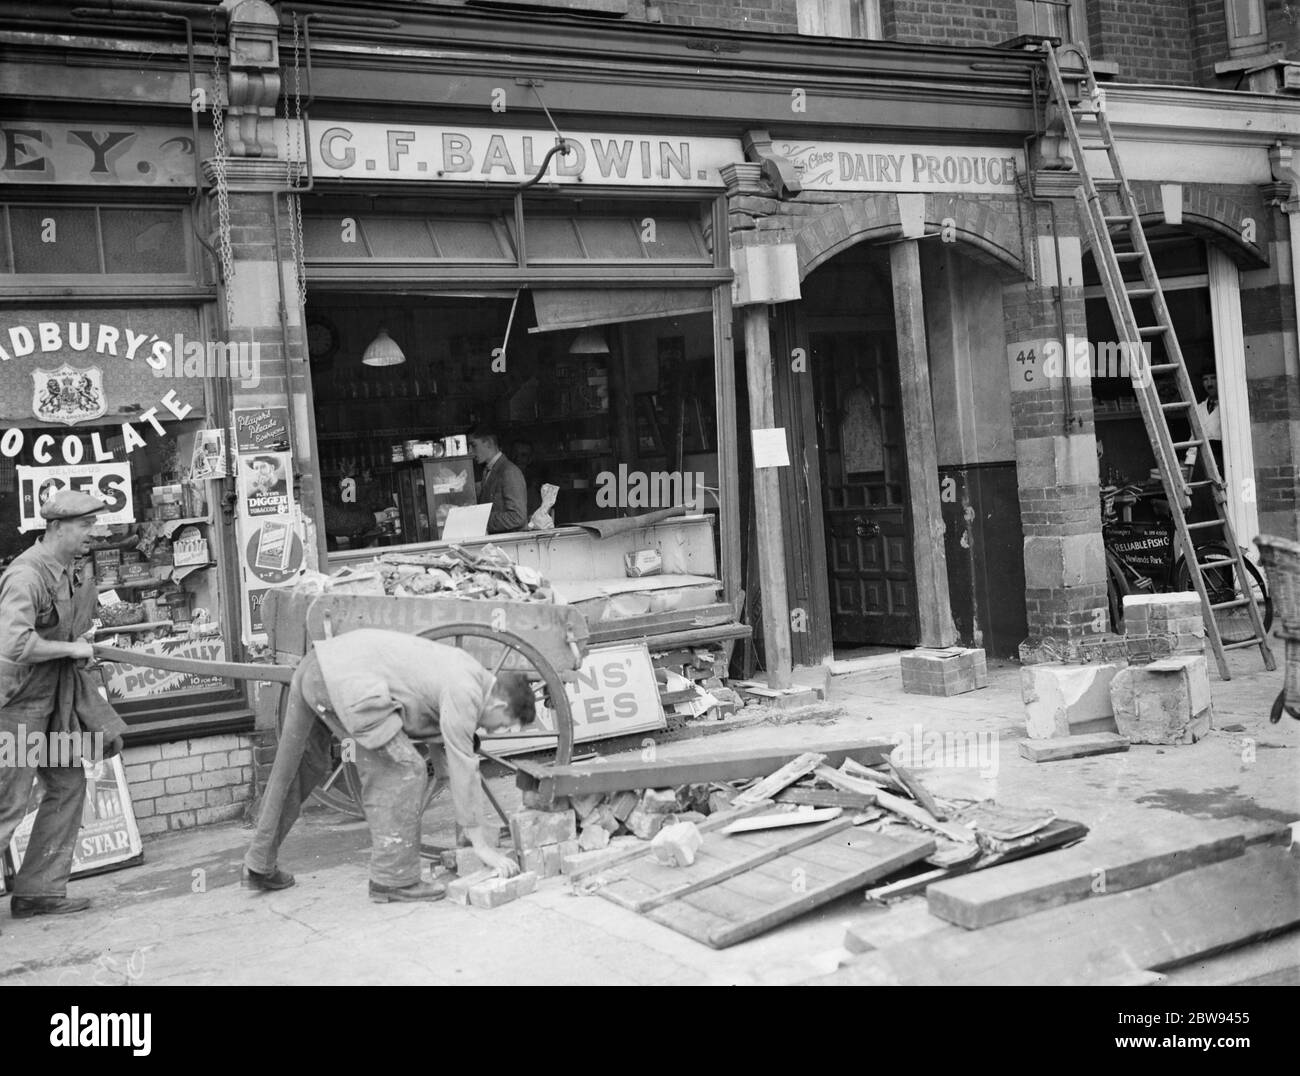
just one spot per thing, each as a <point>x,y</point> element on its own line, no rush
<point>850,166</point>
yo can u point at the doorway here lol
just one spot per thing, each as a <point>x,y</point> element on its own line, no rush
<point>847,321</point>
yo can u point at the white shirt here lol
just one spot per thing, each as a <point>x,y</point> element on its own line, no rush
<point>1211,421</point>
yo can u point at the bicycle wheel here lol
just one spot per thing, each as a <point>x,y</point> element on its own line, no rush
<point>1221,585</point>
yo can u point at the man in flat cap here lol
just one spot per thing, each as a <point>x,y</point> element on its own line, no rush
<point>47,602</point>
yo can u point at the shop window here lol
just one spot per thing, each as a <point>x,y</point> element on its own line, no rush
<point>342,236</point>
<point>840,18</point>
<point>1052,18</point>
<point>1247,27</point>
<point>67,240</point>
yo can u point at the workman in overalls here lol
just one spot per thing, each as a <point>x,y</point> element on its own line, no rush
<point>383,689</point>
<point>47,602</point>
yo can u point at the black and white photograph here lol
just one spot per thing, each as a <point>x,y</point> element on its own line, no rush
<point>764,493</point>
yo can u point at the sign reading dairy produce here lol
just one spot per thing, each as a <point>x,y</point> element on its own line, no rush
<point>496,155</point>
<point>852,166</point>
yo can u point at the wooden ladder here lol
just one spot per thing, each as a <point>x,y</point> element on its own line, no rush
<point>1089,103</point>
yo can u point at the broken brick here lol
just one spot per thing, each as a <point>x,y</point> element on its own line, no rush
<point>593,838</point>
<point>603,817</point>
<point>585,806</point>
<point>720,800</point>
<point>495,892</point>
<point>658,801</point>
<point>458,891</point>
<point>624,804</point>
<point>676,845</point>
<point>533,829</point>
<point>641,823</point>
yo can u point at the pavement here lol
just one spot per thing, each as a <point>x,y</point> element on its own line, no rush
<point>182,918</point>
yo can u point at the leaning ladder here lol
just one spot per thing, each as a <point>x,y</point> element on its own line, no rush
<point>1090,104</point>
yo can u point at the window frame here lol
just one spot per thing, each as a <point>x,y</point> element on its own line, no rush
<point>816,15</point>
<point>1240,44</point>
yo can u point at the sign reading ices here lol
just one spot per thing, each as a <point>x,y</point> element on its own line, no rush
<point>378,151</point>
<point>851,166</point>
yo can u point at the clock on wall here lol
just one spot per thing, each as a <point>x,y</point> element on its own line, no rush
<point>322,338</point>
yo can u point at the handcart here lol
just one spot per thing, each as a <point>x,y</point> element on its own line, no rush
<point>1281,560</point>
<point>545,642</point>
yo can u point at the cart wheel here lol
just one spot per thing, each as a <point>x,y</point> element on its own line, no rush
<point>499,651</point>
<point>493,649</point>
<point>342,789</point>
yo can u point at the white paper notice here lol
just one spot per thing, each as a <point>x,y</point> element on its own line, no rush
<point>770,448</point>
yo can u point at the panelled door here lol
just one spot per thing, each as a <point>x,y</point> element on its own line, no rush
<point>864,488</point>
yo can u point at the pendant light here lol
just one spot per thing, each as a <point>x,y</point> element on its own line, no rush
<point>383,351</point>
<point>589,341</point>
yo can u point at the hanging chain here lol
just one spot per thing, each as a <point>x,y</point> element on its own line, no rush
<point>219,156</point>
<point>299,255</point>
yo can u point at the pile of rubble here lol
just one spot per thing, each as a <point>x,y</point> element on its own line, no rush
<point>460,574</point>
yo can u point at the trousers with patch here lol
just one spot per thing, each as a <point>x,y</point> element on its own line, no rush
<point>392,793</point>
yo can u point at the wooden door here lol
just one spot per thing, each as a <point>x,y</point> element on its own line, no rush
<point>864,488</point>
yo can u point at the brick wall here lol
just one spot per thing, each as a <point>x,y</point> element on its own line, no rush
<point>189,783</point>
<point>930,23</point>
<point>1209,27</point>
<point>1150,40</point>
<point>762,16</point>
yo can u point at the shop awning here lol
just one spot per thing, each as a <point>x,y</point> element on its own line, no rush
<point>576,308</point>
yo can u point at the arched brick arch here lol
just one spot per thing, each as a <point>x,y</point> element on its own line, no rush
<point>1212,216</point>
<point>987,231</point>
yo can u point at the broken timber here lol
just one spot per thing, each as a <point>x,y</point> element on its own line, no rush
<point>1063,747</point>
<point>784,777</point>
<point>551,782</point>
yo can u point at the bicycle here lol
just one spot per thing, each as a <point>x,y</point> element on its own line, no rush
<point>1143,557</point>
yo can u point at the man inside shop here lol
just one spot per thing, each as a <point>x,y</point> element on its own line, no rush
<point>502,484</point>
<point>382,689</point>
<point>47,602</point>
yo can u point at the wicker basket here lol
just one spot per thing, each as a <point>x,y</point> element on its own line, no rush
<point>1281,559</point>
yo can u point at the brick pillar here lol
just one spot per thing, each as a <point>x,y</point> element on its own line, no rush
<point>1269,304</point>
<point>1056,450</point>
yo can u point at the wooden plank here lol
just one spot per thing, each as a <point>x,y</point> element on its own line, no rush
<point>1135,859</point>
<point>885,927</point>
<point>235,670</point>
<point>698,768</point>
<point>933,606</point>
<point>1058,833</point>
<point>1062,747</point>
<point>919,792</point>
<point>820,797</point>
<point>783,820</point>
<point>850,768</point>
<point>1197,913</point>
<point>767,502</point>
<point>725,914</point>
<point>783,778</point>
<point>953,830</point>
<point>718,859</point>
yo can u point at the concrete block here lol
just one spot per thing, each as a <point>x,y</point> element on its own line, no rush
<point>533,859</point>
<point>605,818</point>
<point>532,828</point>
<point>658,801</point>
<point>641,823</point>
<point>1166,702</point>
<point>533,800</point>
<point>458,891</point>
<point>466,861</point>
<point>551,860</point>
<point>676,845</point>
<point>1060,697</point>
<point>593,839</point>
<point>495,892</point>
<point>951,671</point>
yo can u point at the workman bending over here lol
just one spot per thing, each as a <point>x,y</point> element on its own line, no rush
<point>385,688</point>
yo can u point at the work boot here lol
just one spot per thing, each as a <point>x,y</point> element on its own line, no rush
<point>383,894</point>
<point>26,907</point>
<point>277,879</point>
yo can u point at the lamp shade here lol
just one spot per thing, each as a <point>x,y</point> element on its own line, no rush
<point>589,341</point>
<point>383,351</point>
